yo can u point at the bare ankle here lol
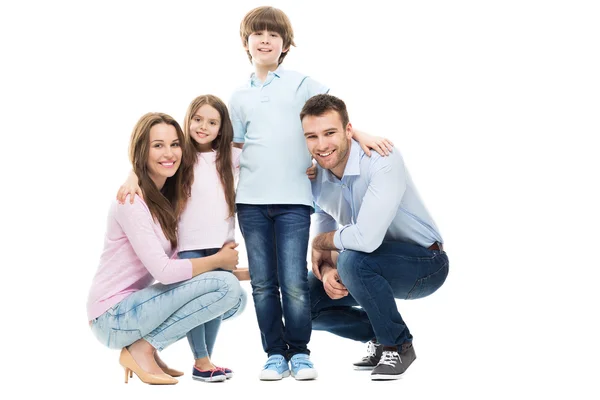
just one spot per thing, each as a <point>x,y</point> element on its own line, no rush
<point>204,364</point>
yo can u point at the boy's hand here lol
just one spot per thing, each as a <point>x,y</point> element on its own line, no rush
<point>131,188</point>
<point>380,144</point>
<point>311,171</point>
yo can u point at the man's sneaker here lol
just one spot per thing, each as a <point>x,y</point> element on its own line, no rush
<point>227,371</point>
<point>302,367</point>
<point>209,375</point>
<point>393,364</point>
<point>369,362</point>
<point>275,368</point>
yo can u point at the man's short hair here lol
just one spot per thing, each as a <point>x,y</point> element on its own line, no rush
<point>323,103</point>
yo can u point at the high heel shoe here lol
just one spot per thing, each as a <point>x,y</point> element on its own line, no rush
<point>169,371</point>
<point>173,372</point>
<point>127,361</point>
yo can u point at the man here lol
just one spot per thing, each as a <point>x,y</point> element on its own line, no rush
<point>375,241</point>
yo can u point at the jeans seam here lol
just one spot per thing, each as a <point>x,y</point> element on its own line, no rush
<point>371,300</point>
<point>166,327</point>
<point>168,291</point>
<point>420,280</point>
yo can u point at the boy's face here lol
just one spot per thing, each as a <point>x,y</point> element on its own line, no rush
<point>328,141</point>
<point>265,47</point>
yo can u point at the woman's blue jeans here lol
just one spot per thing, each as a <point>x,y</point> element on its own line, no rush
<point>163,314</point>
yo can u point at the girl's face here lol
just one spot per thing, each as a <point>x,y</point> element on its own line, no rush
<point>204,126</point>
<point>164,155</point>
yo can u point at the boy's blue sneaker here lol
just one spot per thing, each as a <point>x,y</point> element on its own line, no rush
<point>275,368</point>
<point>210,375</point>
<point>302,367</point>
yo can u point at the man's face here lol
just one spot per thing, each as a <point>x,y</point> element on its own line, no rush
<point>328,141</point>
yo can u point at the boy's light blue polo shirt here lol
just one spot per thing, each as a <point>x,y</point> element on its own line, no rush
<point>266,118</point>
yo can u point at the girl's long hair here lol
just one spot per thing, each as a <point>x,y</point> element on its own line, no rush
<point>222,144</point>
<point>166,204</point>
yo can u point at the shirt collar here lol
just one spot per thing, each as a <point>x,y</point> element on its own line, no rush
<point>254,81</point>
<point>352,166</point>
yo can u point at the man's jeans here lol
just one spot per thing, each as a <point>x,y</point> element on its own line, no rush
<point>276,239</point>
<point>163,314</point>
<point>374,280</point>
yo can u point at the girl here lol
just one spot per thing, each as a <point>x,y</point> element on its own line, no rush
<point>125,310</point>
<point>208,220</point>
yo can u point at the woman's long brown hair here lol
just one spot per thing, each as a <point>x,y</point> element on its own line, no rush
<point>222,144</point>
<point>166,204</point>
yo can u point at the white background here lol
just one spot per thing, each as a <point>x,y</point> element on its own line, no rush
<point>493,104</point>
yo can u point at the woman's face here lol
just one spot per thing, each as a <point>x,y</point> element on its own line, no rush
<point>164,155</point>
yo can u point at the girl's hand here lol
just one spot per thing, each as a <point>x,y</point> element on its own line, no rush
<point>243,274</point>
<point>131,188</point>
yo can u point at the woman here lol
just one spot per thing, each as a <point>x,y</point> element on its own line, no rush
<point>126,310</point>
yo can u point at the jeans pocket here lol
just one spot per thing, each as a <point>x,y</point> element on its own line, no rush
<point>429,284</point>
<point>119,338</point>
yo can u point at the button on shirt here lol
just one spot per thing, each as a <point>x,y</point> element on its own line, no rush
<point>374,201</point>
<point>266,118</point>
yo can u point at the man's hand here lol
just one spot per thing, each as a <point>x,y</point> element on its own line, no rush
<point>319,259</point>
<point>333,285</point>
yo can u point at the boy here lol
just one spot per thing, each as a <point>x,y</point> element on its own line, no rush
<point>273,199</point>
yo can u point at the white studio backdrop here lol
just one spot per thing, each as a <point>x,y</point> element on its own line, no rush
<point>494,106</point>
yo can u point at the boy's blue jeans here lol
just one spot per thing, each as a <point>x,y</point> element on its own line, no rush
<point>374,280</point>
<point>276,239</point>
<point>163,314</point>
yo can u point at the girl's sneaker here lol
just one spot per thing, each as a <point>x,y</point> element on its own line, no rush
<point>228,372</point>
<point>210,375</point>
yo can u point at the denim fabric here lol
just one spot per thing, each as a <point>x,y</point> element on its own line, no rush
<point>276,238</point>
<point>203,337</point>
<point>374,280</point>
<point>163,314</point>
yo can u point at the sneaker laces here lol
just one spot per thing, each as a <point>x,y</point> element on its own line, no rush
<point>371,351</point>
<point>390,358</point>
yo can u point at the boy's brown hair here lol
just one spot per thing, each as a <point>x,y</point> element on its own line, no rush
<point>271,19</point>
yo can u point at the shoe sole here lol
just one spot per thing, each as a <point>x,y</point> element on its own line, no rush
<point>363,368</point>
<point>386,377</point>
<point>276,377</point>
<point>221,378</point>
<point>305,376</point>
